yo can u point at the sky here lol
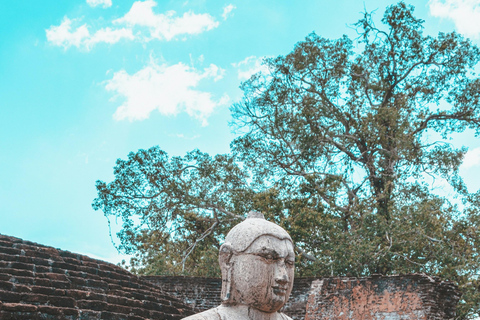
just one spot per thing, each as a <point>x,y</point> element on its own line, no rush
<point>85,82</point>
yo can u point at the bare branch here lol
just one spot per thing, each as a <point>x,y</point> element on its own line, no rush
<point>406,258</point>
<point>203,236</point>
<point>214,207</point>
<point>305,254</point>
<point>435,117</point>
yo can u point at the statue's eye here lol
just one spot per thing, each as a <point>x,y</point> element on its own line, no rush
<point>289,263</point>
<point>269,257</point>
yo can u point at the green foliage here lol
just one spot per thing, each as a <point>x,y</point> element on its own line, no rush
<point>173,207</point>
<point>335,147</point>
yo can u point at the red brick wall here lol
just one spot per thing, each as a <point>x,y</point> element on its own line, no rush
<point>378,297</point>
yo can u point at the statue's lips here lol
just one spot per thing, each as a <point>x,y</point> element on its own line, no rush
<point>280,291</point>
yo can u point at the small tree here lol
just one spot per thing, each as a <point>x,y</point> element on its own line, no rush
<point>336,148</point>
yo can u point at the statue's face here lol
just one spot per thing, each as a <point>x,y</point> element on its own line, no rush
<point>263,274</point>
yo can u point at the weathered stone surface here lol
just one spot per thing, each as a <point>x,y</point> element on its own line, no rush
<point>257,272</point>
<point>382,298</point>
<point>39,282</point>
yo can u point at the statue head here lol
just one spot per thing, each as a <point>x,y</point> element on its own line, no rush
<point>257,263</point>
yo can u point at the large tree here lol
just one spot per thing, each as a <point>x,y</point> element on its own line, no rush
<point>339,144</point>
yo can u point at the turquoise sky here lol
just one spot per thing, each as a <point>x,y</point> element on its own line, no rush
<point>85,82</point>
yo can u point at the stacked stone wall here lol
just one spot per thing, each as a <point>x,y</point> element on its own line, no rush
<point>414,296</point>
<point>39,282</point>
<point>197,292</point>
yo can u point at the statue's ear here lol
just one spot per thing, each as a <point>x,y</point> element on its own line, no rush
<point>226,252</point>
<point>224,256</point>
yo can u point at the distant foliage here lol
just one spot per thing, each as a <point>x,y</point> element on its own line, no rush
<point>336,148</point>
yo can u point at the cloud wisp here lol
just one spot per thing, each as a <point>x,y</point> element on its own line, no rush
<point>465,14</point>
<point>140,23</point>
<point>96,3</point>
<point>227,11</point>
<point>166,26</point>
<point>250,66</point>
<point>471,159</point>
<point>65,36</point>
<point>167,89</point>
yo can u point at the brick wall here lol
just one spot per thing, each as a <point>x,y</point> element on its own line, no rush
<point>39,282</point>
<point>199,293</point>
<point>295,306</point>
<point>379,297</point>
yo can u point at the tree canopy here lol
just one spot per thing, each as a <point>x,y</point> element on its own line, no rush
<point>339,143</point>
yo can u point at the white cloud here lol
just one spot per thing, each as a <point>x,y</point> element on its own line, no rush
<point>168,89</point>
<point>250,66</point>
<point>108,35</point>
<point>471,159</point>
<point>64,36</point>
<point>182,136</point>
<point>95,3</point>
<point>141,18</point>
<point>464,13</point>
<point>166,26</point>
<point>227,10</point>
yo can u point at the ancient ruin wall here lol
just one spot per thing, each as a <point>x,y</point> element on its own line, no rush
<point>39,282</point>
<point>378,297</point>
<point>295,306</point>
<point>197,292</point>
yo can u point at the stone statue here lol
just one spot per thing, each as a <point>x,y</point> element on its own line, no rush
<point>257,261</point>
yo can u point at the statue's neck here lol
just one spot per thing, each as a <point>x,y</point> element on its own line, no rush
<point>242,312</point>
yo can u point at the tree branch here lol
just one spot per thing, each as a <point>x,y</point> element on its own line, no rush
<point>305,254</point>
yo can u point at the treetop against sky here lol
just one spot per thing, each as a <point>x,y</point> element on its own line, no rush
<point>86,82</point>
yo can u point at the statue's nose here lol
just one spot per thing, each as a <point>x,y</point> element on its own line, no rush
<point>281,275</point>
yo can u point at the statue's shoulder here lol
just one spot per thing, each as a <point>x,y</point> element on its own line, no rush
<point>210,314</point>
